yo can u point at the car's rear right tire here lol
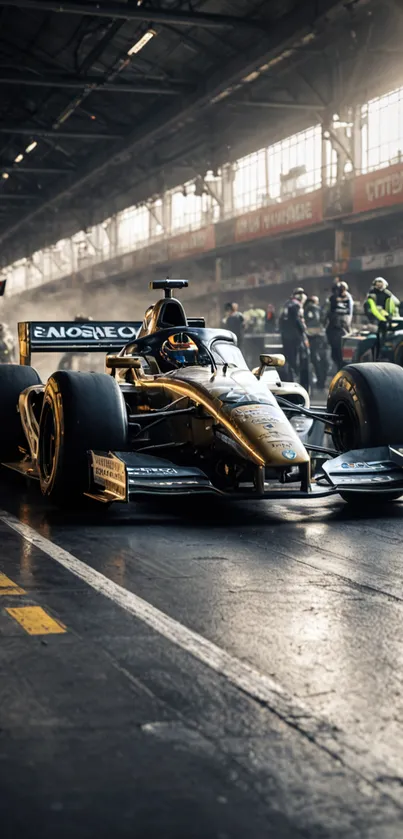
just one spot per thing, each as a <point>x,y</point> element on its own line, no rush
<point>81,412</point>
<point>14,378</point>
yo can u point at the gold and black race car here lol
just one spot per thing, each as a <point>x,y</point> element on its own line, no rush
<point>178,412</point>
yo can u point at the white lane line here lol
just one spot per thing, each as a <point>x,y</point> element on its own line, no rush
<point>241,674</point>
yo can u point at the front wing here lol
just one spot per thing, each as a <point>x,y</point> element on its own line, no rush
<point>123,476</point>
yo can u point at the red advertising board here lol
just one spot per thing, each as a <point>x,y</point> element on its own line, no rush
<point>192,243</point>
<point>382,188</point>
<point>302,211</point>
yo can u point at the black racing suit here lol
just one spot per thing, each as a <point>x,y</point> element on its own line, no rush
<point>295,341</point>
<point>317,342</point>
<point>338,318</point>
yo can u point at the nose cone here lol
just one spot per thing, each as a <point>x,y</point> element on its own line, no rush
<point>269,432</point>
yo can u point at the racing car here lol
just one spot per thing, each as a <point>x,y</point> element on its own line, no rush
<point>363,346</point>
<point>178,412</point>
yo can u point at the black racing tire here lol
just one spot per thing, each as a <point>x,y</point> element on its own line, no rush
<point>369,399</point>
<point>14,378</point>
<point>81,411</point>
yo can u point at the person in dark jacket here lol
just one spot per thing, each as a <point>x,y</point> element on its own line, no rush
<point>317,340</point>
<point>270,318</point>
<point>338,316</point>
<point>294,337</point>
<point>235,322</point>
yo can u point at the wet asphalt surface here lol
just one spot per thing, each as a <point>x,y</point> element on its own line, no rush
<point>110,730</point>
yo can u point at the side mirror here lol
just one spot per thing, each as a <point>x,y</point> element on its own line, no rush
<point>274,360</point>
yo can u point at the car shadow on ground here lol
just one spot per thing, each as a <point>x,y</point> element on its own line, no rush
<point>25,501</point>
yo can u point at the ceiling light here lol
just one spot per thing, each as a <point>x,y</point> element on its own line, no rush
<point>142,42</point>
<point>251,76</point>
<point>19,158</point>
<point>5,176</point>
<point>31,146</point>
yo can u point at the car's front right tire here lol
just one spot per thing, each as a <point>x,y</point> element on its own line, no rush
<point>80,412</point>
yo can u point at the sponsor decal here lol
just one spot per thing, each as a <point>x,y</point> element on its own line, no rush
<point>283,444</point>
<point>364,479</point>
<point>86,332</point>
<point>109,473</point>
<point>274,438</point>
<point>152,470</point>
<point>374,467</point>
<point>258,415</point>
<point>289,454</point>
<point>273,431</point>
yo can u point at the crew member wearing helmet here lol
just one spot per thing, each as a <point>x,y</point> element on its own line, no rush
<point>338,316</point>
<point>294,337</point>
<point>379,305</point>
<point>179,350</point>
<point>317,340</point>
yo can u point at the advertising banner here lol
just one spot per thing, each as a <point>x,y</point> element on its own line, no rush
<point>379,189</point>
<point>302,211</point>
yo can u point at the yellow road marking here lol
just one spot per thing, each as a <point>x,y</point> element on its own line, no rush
<point>36,621</point>
<point>7,586</point>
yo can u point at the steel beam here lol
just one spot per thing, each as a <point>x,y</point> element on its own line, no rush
<point>121,11</point>
<point>93,83</point>
<point>34,131</point>
<point>16,196</point>
<point>36,170</point>
<point>291,106</point>
<point>288,33</point>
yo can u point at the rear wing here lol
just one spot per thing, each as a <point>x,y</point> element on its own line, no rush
<point>59,336</point>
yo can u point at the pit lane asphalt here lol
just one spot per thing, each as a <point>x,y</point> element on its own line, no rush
<point>111,730</point>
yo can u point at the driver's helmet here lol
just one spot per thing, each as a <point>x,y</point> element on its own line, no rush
<point>179,351</point>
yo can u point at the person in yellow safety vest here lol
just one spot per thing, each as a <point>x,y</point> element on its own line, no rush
<point>379,306</point>
<point>380,303</point>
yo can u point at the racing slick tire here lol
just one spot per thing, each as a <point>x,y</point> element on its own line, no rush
<point>14,378</point>
<point>368,398</point>
<point>81,411</point>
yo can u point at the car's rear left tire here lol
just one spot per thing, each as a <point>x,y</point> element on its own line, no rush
<point>368,398</point>
<point>14,378</point>
<point>81,411</point>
